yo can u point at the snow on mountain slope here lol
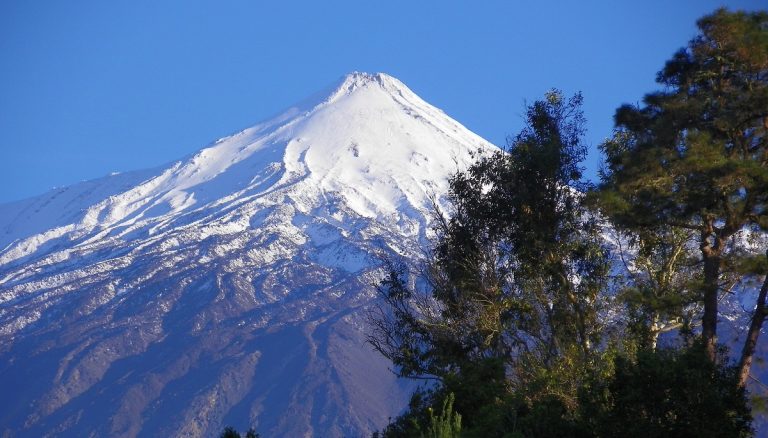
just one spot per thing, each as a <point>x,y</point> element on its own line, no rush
<point>228,287</point>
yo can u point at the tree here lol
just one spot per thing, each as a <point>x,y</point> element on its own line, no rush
<point>756,324</point>
<point>658,284</point>
<point>667,392</point>
<point>510,309</point>
<point>695,156</point>
<point>511,298</point>
<point>520,233</point>
<point>231,432</point>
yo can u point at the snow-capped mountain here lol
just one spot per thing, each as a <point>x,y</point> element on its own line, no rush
<point>227,288</point>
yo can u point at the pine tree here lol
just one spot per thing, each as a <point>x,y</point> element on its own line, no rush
<point>695,156</point>
<point>229,432</point>
<point>668,393</point>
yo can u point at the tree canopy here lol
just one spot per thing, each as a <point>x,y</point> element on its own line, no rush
<point>695,155</point>
<point>519,316</point>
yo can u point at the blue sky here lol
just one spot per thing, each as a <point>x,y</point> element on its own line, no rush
<point>92,87</point>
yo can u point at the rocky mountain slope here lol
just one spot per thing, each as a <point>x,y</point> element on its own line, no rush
<point>228,287</point>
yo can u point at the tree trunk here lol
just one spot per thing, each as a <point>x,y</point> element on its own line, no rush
<point>748,353</point>
<point>712,264</point>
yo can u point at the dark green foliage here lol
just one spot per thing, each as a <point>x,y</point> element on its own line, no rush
<point>509,321</point>
<point>655,393</point>
<point>231,432</point>
<point>502,281</point>
<point>519,234</point>
<point>695,156</point>
<point>479,391</point>
<point>667,393</point>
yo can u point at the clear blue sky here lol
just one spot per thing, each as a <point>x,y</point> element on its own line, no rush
<point>91,87</point>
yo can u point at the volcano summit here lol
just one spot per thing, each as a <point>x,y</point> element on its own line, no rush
<point>228,287</point>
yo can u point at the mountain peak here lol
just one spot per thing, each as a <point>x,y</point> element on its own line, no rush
<point>369,138</point>
<point>362,77</point>
<point>171,300</point>
<point>358,81</point>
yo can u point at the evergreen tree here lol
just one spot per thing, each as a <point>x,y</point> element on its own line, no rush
<point>508,315</point>
<point>231,432</point>
<point>667,393</point>
<point>695,156</point>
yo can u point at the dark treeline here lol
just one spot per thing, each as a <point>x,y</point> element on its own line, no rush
<point>231,432</point>
<point>526,321</point>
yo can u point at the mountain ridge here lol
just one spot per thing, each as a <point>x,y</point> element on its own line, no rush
<point>229,286</point>
<point>205,164</point>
